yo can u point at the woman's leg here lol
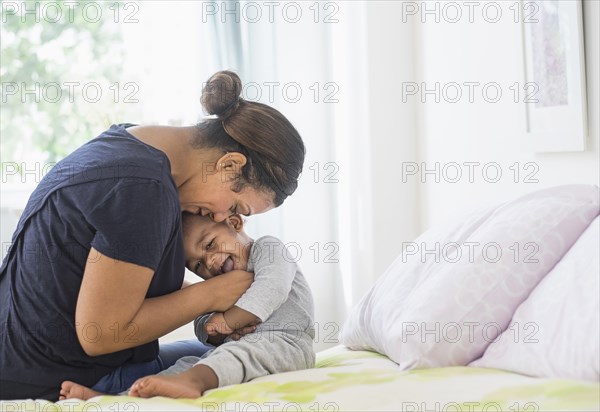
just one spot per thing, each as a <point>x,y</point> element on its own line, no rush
<point>17,390</point>
<point>123,377</point>
<point>171,352</point>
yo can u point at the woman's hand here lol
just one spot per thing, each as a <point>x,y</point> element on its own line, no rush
<point>227,288</point>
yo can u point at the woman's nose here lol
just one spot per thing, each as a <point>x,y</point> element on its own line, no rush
<point>220,216</point>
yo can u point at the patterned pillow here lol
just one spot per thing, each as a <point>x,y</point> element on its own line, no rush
<point>556,331</point>
<point>455,289</point>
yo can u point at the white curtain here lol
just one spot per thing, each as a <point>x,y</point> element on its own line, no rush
<point>349,214</point>
<point>287,65</point>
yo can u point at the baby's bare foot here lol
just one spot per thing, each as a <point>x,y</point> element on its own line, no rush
<point>182,385</point>
<point>72,390</point>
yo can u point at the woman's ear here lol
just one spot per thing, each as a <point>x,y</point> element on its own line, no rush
<point>231,163</point>
<point>236,222</point>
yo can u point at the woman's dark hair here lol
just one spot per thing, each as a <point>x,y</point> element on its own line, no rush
<point>273,147</point>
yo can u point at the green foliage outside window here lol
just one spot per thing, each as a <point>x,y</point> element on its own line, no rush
<point>51,72</point>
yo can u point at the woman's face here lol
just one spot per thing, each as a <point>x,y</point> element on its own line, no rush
<point>212,195</point>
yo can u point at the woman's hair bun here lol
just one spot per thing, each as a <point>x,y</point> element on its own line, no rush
<point>221,93</point>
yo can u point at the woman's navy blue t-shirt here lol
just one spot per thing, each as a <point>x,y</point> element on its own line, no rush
<point>115,194</point>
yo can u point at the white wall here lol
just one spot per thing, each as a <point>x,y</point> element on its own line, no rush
<point>490,132</point>
<point>395,46</point>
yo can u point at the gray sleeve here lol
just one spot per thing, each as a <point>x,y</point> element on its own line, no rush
<point>199,327</point>
<point>274,272</point>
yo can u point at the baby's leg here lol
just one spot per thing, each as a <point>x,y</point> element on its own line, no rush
<point>189,384</point>
<point>260,354</point>
<point>70,390</point>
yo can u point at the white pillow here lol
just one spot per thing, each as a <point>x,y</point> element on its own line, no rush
<point>445,307</point>
<point>556,331</point>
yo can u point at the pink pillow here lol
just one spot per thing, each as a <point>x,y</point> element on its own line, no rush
<point>455,289</point>
<point>556,331</point>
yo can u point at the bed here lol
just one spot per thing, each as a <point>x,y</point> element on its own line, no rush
<point>347,380</point>
<point>450,333</point>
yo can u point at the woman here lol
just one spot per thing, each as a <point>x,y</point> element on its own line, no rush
<point>94,275</point>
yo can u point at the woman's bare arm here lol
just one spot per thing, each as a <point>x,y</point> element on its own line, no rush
<point>113,314</point>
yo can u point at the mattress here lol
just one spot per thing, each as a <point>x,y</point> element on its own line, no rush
<point>345,380</point>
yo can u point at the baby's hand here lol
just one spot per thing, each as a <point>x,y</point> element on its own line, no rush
<point>216,325</point>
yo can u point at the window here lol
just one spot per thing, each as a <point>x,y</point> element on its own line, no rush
<point>69,72</point>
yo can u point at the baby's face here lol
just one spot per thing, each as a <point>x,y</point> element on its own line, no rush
<point>211,248</point>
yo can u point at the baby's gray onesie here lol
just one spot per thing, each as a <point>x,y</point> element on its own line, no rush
<point>283,342</point>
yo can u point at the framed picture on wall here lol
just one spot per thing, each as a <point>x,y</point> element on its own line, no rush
<point>555,75</point>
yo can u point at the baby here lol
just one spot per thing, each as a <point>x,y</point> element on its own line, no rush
<point>278,302</point>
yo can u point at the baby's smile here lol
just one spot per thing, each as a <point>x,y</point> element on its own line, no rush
<point>227,266</point>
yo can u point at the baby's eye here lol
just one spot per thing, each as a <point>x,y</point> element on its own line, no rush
<point>233,210</point>
<point>209,245</point>
<point>197,266</point>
